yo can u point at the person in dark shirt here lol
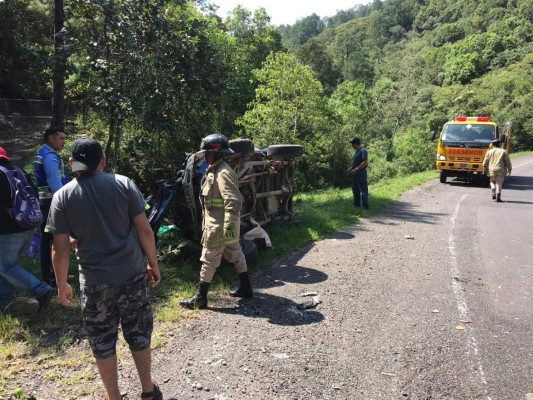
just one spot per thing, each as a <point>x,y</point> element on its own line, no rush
<point>13,240</point>
<point>359,174</point>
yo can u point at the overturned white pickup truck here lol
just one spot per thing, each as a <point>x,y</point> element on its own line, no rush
<point>266,182</point>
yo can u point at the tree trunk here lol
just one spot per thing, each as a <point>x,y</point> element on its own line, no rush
<point>60,57</point>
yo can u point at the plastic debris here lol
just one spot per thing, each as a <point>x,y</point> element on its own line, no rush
<point>165,228</point>
<point>309,294</point>
<point>387,374</point>
<point>435,311</point>
<point>460,327</point>
<point>257,233</point>
<point>465,321</point>
<point>315,300</point>
<point>280,356</point>
<point>409,237</point>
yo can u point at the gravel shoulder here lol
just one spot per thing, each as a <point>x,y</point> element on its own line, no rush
<point>385,328</point>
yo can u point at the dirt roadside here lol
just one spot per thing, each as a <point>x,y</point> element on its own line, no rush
<point>367,339</point>
<point>374,336</point>
<point>22,138</point>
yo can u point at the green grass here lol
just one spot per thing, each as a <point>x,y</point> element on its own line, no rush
<point>28,340</point>
<point>520,154</point>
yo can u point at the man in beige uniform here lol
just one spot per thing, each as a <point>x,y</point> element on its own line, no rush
<point>496,165</point>
<point>222,202</point>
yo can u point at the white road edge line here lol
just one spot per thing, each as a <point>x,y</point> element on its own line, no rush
<point>460,298</point>
<point>521,165</point>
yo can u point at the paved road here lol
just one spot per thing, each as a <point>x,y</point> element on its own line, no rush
<point>492,244</point>
<point>430,299</point>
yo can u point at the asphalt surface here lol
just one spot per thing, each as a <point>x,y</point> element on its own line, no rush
<point>430,299</point>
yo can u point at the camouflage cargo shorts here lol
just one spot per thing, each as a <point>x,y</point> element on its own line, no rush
<point>106,306</point>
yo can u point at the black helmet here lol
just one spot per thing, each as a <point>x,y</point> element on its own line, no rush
<point>217,143</point>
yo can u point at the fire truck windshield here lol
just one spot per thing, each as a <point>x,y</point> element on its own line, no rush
<point>472,133</point>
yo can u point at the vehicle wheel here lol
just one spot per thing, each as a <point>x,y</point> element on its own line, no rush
<point>443,177</point>
<point>242,146</point>
<point>250,250</point>
<point>285,151</point>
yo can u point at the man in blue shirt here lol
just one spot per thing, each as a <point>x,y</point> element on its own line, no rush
<point>359,174</point>
<point>50,175</point>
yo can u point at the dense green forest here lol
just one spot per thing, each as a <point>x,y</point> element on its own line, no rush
<point>150,78</point>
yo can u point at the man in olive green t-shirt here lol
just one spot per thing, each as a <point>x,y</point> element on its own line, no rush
<point>496,165</point>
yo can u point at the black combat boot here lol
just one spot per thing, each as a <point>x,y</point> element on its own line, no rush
<point>199,300</point>
<point>499,198</point>
<point>493,194</point>
<point>245,288</point>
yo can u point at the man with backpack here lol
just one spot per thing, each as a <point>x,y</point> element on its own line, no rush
<point>17,224</point>
<point>50,174</point>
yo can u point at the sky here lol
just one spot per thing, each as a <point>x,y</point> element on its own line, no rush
<point>289,11</point>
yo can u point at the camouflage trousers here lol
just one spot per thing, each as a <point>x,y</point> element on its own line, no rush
<point>105,307</point>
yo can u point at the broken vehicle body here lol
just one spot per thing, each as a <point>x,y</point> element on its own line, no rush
<point>265,179</point>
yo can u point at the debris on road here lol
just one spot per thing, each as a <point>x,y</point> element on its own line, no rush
<point>465,321</point>
<point>311,303</point>
<point>309,294</point>
<point>460,327</point>
<point>387,374</point>
<point>409,237</point>
<point>435,311</point>
<point>280,356</point>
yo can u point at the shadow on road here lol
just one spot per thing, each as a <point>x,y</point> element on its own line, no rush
<point>516,182</point>
<point>504,200</point>
<point>480,183</point>
<point>402,210</point>
<point>276,276</point>
<point>341,236</point>
<point>278,310</point>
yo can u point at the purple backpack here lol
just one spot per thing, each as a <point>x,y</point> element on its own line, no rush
<point>25,210</point>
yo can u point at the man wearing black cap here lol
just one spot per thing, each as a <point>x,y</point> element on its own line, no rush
<point>496,165</point>
<point>359,174</point>
<point>105,212</point>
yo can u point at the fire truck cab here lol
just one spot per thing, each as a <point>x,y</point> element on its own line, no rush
<point>463,143</point>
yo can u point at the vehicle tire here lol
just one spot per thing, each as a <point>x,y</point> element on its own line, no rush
<point>250,250</point>
<point>284,151</point>
<point>242,146</point>
<point>442,177</point>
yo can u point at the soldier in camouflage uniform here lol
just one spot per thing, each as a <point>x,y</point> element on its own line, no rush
<point>106,214</point>
<point>222,202</point>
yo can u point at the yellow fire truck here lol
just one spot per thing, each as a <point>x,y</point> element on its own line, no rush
<point>463,143</point>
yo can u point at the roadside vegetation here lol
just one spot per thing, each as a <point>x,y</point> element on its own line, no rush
<point>150,78</point>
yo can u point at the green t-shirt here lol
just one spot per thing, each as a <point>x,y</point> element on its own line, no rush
<point>98,211</point>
